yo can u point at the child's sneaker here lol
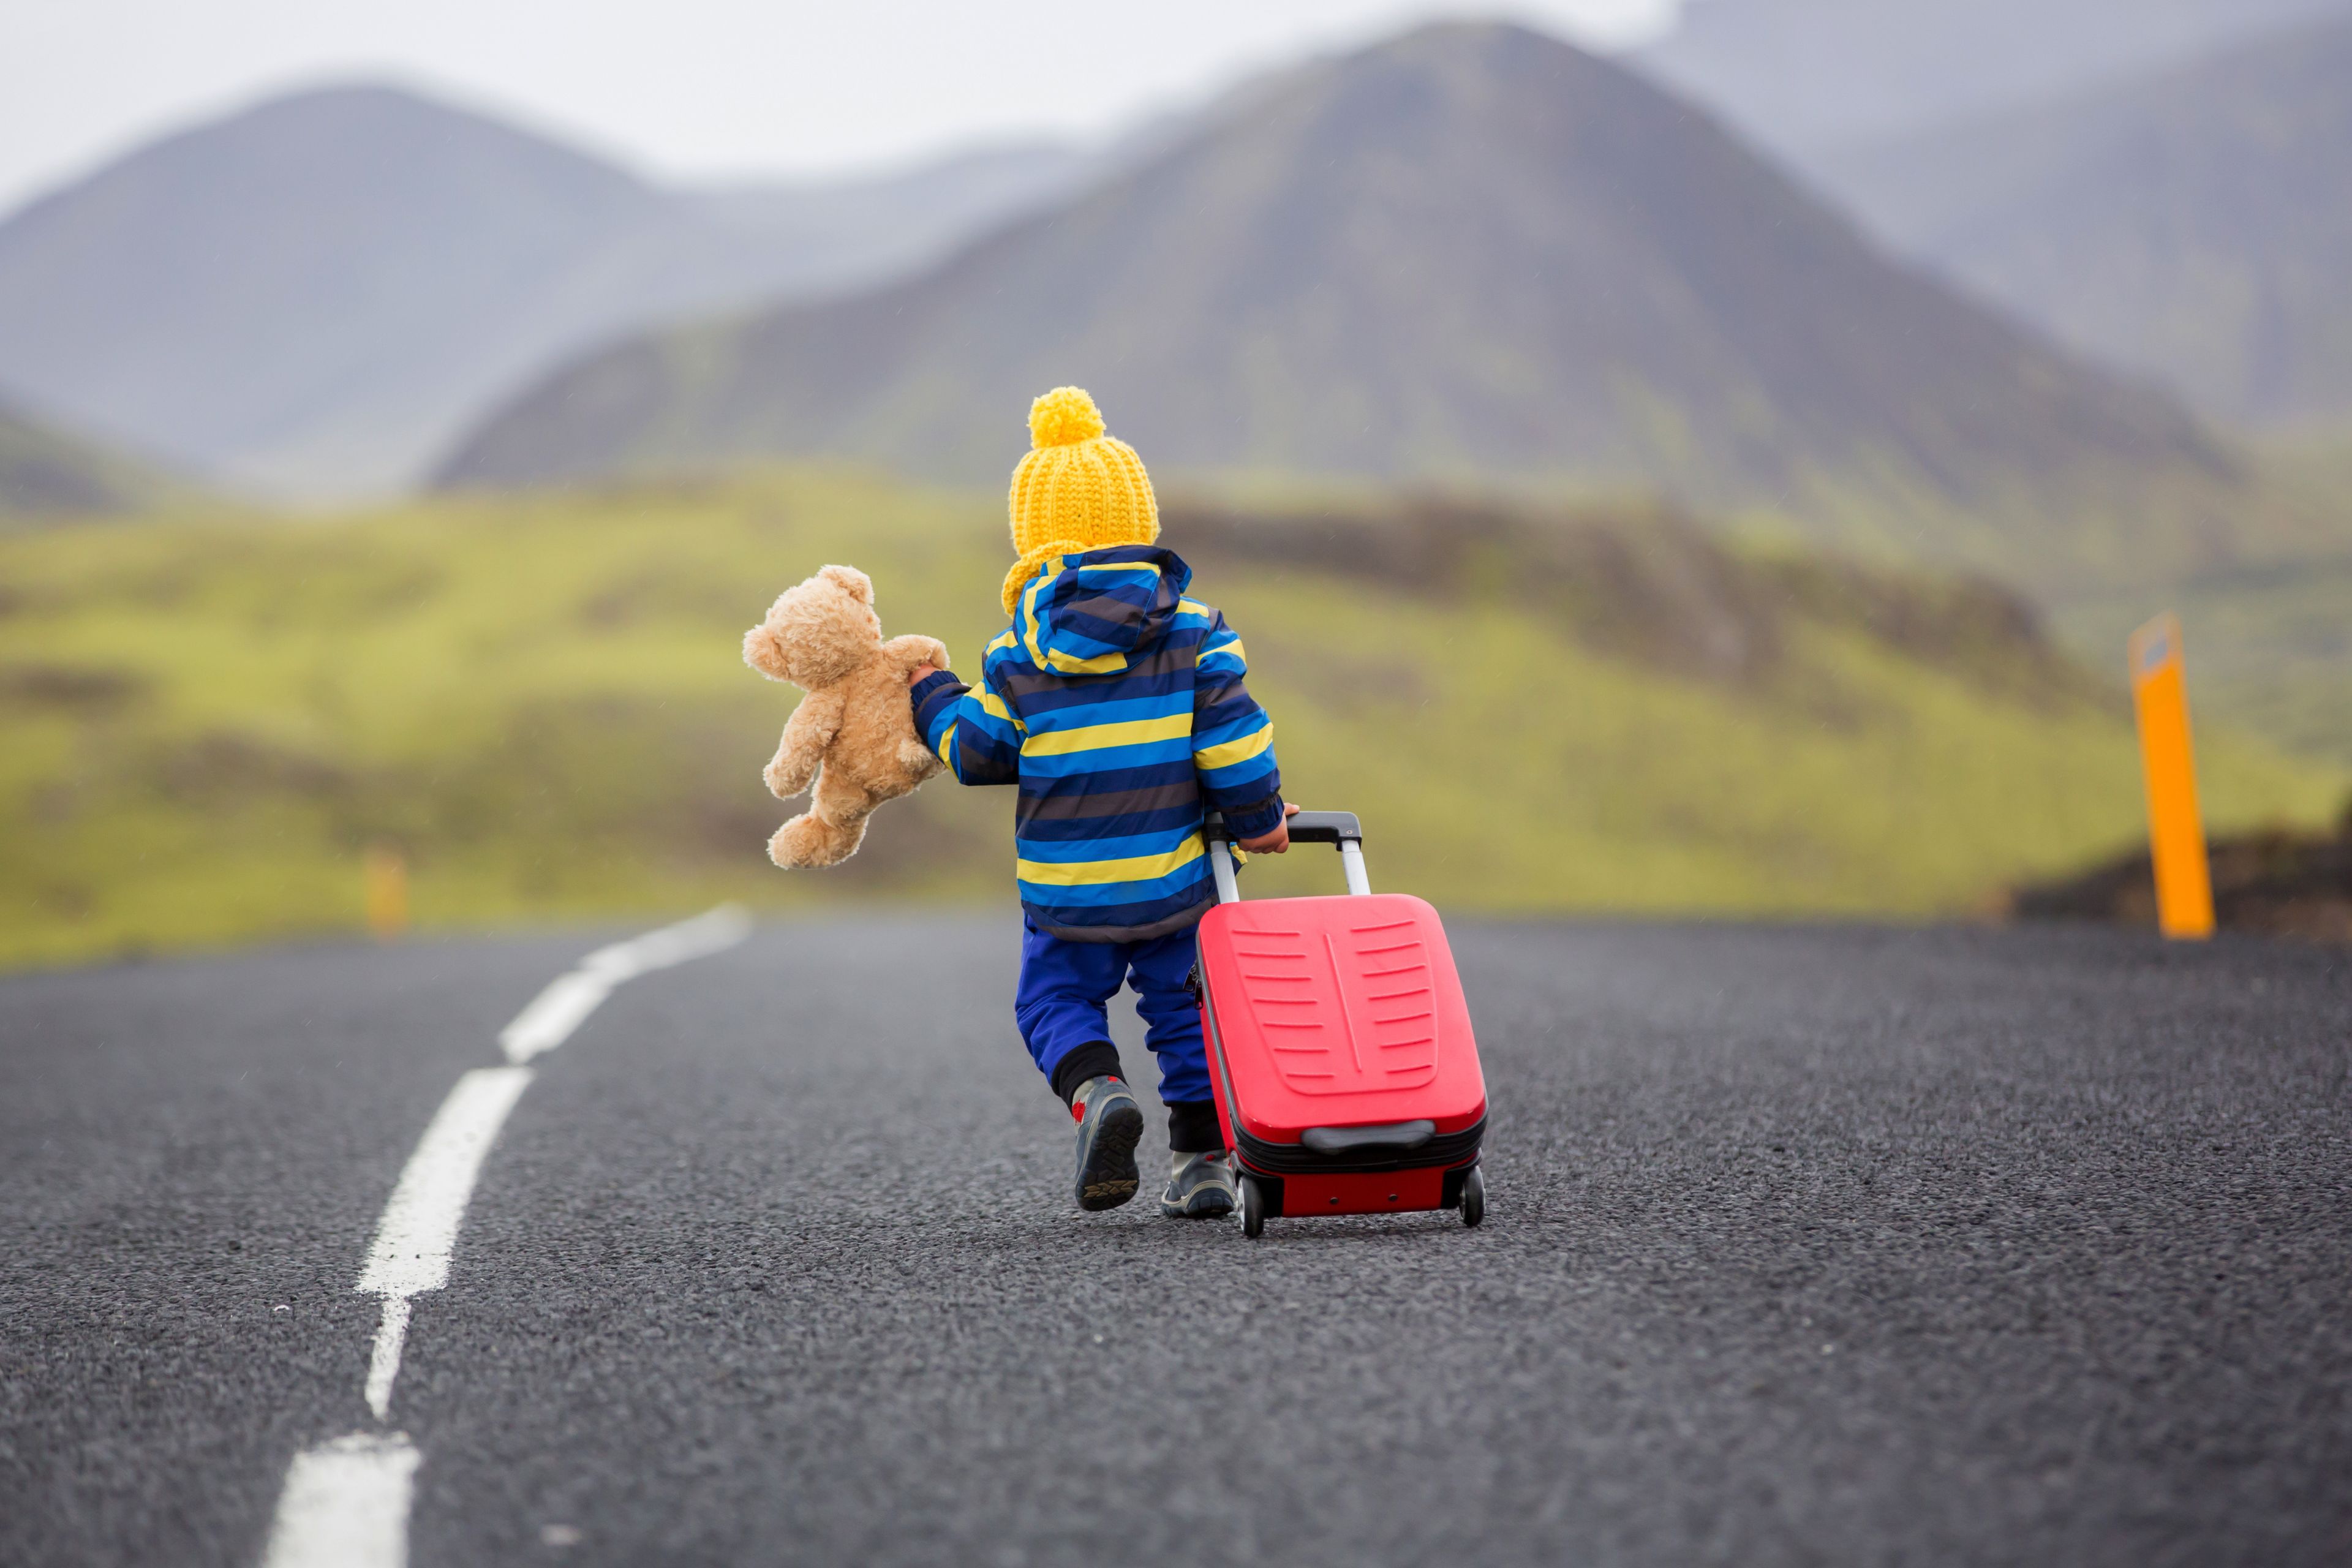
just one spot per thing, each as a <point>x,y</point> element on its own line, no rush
<point>1200,1187</point>
<point>1111,1123</point>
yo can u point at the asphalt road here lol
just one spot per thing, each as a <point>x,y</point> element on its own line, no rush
<point>1804,1246</point>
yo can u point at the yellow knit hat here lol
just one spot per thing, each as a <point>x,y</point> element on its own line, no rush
<point>1077,490</point>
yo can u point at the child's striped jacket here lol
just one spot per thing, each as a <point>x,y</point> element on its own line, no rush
<point>1117,705</point>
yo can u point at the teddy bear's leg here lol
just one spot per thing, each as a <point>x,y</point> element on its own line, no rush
<point>809,841</point>
<point>830,831</point>
<point>847,805</point>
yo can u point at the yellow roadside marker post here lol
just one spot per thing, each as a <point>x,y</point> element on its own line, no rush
<point>386,874</point>
<point>2176,832</point>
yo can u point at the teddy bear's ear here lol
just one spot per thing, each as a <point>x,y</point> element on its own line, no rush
<point>858,585</point>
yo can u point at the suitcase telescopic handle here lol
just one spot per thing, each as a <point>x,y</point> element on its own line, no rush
<point>1338,829</point>
<point>1333,827</point>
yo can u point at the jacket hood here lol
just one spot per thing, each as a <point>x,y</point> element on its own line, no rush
<point>1090,613</point>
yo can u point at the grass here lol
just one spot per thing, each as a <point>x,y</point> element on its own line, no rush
<point>2269,650</point>
<point>539,700</point>
<point>2269,636</point>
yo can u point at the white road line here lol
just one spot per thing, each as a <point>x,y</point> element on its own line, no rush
<point>345,1503</point>
<point>569,999</point>
<point>419,1229</point>
<point>383,1362</point>
<point>553,1014</point>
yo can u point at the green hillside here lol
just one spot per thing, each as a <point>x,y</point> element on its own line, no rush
<point>541,699</point>
<point>2269,634</point>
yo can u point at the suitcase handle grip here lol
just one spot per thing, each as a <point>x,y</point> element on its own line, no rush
<point>1332,828</point>
<point>1404,1136</point>
<point>1338,829</point>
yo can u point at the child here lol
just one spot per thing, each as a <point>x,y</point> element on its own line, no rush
<point>1117,705</point>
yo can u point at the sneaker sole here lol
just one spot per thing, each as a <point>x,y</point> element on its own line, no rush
<point>1210,1204</point>
<point>1110,1177</point>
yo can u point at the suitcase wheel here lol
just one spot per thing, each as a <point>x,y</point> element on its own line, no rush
<point>1252,1208</point>
<point>1474,1197</point>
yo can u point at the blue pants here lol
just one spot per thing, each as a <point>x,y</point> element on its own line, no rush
<point>1064,987</point>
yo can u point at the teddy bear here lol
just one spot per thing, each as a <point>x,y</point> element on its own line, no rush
<point>854,734</point>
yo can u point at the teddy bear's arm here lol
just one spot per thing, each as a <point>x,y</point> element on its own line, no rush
<point>807,734</point>
<point>904,653</point>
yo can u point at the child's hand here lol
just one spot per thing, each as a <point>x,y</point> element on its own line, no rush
<point>1276,842</point>
<point>915,676</point>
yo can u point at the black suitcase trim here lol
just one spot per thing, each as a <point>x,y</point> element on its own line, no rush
<point>1449,1191</point>
<point>1298,1160</point>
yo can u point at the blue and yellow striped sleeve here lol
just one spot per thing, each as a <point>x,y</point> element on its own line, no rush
<point>1233,739</point>
<point>972,729</point>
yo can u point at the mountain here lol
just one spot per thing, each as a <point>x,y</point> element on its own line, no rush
<point>1803,77</point>
<point>318,293</point>
<point>45,472</point>
<point>1471,254</point>
<point>2195,225</point>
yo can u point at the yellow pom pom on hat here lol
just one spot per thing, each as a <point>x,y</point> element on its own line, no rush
<point>1078,489</point>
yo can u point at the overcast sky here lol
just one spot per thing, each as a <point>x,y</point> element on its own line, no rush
<point>692,87</point>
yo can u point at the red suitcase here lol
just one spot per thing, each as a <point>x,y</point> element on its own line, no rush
<point>1346,1074</point>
